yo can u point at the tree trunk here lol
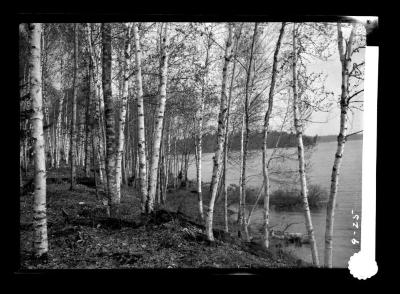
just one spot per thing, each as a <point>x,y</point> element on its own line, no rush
<point>87,129</point>
<point>59,118</point>
<point>247,133</point>
<point>40,243</point>
<point>199,147</point>
<point>226,147</point>
<point>113,200</point>
<point>266,126</point>
<point>241,209</point>
<point>300,148</point>
<point>159,123</point>
<point>345,60</point>
<point>220,138</point>
<point>99,106</point>
<point>122,116</point>
<point>141,133</point>
<point>72,146</point>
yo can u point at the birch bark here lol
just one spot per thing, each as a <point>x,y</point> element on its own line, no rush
<point>110,120</point>
<point>159,123</point>
<point>300,149</point>
<point>345,61</point>
<point>98,105</point>
<point>247,132</point>
<point>122,115</point>
<point>40,243</point>
<point>141,131</point>
<point>73,137</point>
<point>59,118</point>
<point>266,127</point>
<point>220,138</point>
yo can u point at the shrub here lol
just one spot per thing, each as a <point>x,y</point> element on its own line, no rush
<point>284,199</point>
<point>317,196</point>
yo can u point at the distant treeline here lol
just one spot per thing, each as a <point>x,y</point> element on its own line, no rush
<point>331,138</point>
<point>255,141</point>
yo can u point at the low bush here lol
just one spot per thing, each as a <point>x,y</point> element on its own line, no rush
<point>282,199</point>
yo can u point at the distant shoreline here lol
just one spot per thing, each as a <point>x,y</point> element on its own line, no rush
<point>333,138</point>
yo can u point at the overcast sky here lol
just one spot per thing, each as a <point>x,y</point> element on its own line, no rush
<point>330,121</point>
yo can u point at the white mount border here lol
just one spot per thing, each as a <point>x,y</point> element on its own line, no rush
<point>362,265</point>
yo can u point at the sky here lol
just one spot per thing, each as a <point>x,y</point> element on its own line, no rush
<point>329,123</point>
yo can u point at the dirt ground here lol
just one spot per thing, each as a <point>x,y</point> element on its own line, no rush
<point>82,237</point>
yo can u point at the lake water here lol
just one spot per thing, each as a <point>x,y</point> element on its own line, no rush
<point>320,162</point>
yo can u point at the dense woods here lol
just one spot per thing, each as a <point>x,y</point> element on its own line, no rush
<point>133,105</point>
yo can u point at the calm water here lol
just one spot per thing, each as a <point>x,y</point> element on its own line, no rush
<point>321,161</point>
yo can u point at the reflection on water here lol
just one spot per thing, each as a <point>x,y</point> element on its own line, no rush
<point>348,198</point>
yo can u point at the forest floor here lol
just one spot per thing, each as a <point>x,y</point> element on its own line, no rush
<point>82,237</point>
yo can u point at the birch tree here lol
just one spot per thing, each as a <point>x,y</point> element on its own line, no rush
<point>348,69</point>
<point>97,103</point>
<point>226,147</point>
<point>246,133</point>
<point>220,137</point>
<point>141,133</point>
<point>73,137</point>
<point>199,149</point>
<point>40,243</point>
<point>122,115</point>
<point>266,127</point>
<point>159,122</point>
<point>113,200</point>
<point>300,148</point>
<point>59,118</point>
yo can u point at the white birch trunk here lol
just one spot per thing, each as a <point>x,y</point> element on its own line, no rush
<point>300,148</point>
<point>40,242</point>
<point>110,120</point>
<point>345,60</point>
<point>141,131</point>
<point>99,102</point>
<point>199,148</point>
<point>266,127</point>
<point>73,119</point>
<point>241,207</point>
<point>220,138</point>
<point>159,123</point>
<point>59,119</point>
<point>122,116</point>
<point>246,137</point>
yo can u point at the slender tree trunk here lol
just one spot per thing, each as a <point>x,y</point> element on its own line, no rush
<point>122,115</point>
<point>59,119</point>
<point>99,106</point>
<point>113,200</point>
<point>73,118</point>
<point>141,127</point>
<point>247,132</point>
<point>345,60</point>
<point>66,138</point>
<point>200,134</point>
<point>220,138</point>
<point>241,208</point>
<point>167,161</point>
<point>300,147</point>
<point>87,128</point>
<point>159,122</point>
<point>40,243</point>
<point>226,147</point>
<point>93,136</point>
<point>266,127</point>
